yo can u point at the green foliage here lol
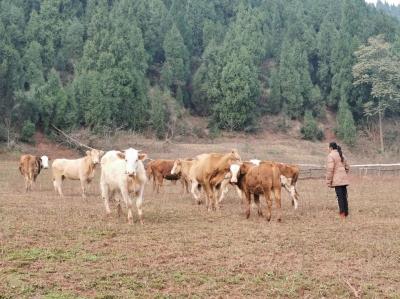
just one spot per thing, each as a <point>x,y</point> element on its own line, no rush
<point>176,67</point>
<point>27,131</point>
<point>93,63</point>
<point>158,113</point>
<point>346,129</point>
<point>275,97</point>
<point>240,90</point>
<point>379,68</point>
<point>310,129</point>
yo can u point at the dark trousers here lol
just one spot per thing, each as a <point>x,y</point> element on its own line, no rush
<point>341,193</point>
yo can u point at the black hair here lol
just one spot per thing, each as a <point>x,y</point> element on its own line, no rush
<point>337,147</point>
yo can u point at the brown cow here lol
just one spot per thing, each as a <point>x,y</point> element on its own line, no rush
<point>208,171</point>
<point>259,180</point>
<point>77,169</point>
<point>159,170</point>
<point>289,177</point>
<point>30,167</point>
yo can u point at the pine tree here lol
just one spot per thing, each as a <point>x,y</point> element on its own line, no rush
<point>275,100</point>
<point>346,129</point>
<point>240,90</point>
<point>176,68</point>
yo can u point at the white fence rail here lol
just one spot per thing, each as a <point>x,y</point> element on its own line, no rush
<point>314,171</point>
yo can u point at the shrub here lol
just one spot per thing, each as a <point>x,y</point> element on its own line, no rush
<point>27,131</point>
<point>310,129</point>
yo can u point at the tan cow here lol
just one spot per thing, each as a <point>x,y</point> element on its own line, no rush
<point>82,169</point>
<point>123,172</point>
<point>159,170</point>
<point>263,179</point>
<point>30,167</point>
<point>208,171</point>
<point>182,167</point>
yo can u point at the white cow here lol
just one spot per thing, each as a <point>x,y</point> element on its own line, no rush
<point>123,172</point>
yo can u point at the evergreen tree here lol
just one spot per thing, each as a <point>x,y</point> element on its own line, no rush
<point>240,90</point>
<point>176,68</point>
<point>346,129</point>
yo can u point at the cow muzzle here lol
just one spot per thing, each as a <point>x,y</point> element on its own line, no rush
<point>131,174</point>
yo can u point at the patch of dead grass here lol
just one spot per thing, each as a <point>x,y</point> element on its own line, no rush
<point>67,248</point>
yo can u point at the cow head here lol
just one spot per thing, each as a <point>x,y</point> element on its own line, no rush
<point>176,169</point>
<point>234,155</point>
<point>44,161</point>
<point>131,157</point>
<point>234,170</point>
<point>95,155</point>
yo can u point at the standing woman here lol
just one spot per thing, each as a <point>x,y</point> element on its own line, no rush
<point>336,176</point>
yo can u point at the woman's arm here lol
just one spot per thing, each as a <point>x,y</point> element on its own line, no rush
<point>346,166</point>
<point>330,165</point>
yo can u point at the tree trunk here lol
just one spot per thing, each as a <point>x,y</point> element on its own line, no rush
<point>380,130</point>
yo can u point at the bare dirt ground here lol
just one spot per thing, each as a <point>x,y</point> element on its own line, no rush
<point>67,248</point>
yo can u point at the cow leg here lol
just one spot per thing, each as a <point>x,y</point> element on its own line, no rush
<point>185,180</point>
<point>139,203</point>
<point>267,195</point>
<point>30,180</point>
<point>209,196</point>
<point>119,208</point>
<point>105,194</point>
<point>223,193</point>
<point>224,190</point>
<point>183,183</point>
<point>57,186</point>
<point>258,203</point>
<point>159,181</point>
<point>247,201</point>
<point>239,193</point>
<point>294,195</point>
<point>154,181</point>
<point>193,191</point>
<point>128,202</point>
<point>277,196</point>
<point>83,186</point>
<point>26,183</point>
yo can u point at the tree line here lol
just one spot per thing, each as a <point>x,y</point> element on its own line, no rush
<point>139,64</point>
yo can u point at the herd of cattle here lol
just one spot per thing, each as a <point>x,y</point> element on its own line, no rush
<point>208,175</point>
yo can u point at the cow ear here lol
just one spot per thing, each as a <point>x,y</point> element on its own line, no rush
<point>101,153</point>
<point>142,156</point>
<point>121,155</point>
<point>87,153</point>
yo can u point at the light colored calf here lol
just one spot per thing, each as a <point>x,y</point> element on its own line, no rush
<point>82,169</point>
<point>123,172</point>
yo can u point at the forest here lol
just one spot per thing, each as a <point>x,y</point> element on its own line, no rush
<point>140,65</point>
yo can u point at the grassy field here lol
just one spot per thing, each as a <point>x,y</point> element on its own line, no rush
<point>68,248</point>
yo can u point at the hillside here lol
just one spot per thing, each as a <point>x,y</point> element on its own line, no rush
<point>154,66</point>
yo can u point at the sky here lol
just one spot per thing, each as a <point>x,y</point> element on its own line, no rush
<point>396,2</point>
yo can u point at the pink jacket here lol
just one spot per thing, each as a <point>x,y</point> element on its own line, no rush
<point>336,170</point>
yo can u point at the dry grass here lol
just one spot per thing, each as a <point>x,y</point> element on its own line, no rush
<point>67,248</point>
